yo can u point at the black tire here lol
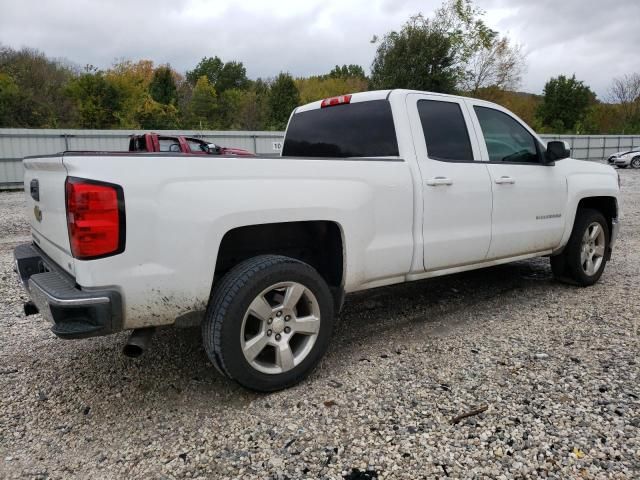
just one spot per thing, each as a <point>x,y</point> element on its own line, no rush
<point>567,266</point>
<point>635,162</point>
<point>229,302</point>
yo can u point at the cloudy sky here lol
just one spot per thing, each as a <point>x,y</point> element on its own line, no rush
<point>595,39</point>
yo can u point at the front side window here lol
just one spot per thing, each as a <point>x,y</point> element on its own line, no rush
<point>507,140</point>
<point>197,146</point>
<point>445,130</point>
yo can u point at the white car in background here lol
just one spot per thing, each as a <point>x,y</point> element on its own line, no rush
<point>626,159</point>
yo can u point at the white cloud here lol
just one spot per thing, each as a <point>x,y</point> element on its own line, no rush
<point>593,39</point>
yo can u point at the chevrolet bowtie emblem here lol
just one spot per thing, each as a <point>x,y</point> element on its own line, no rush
<point>38,213</point>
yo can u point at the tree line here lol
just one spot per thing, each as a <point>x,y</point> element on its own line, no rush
<point>452,51</point>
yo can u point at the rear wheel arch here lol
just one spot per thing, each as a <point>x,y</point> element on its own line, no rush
<point>287,334</point>
<point>318,243</point>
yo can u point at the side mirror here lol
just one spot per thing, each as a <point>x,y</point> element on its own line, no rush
<point>557,150</point>
<point>213,149</point>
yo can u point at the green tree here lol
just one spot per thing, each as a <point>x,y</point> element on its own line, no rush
<point>230,103</point>
<point>417,57</point>
<point>606,118</point>
<point>209,67</point>
<point>9,102</point>
<point>283,98</point>
<point>316,88</point>
<point>41,84</point>
<point>461,22</point>
<point>625,93</point>
<point>253,110</point>
<point>347,71</point>
<point>222,76</point>
<point>203,106</point>
<point>157,116</point>
<point>132,80</point>
<point>233,75</point>
<point>565,104</point>
<point>163,88</point>
<point>455,43</point>
<point>98,100</point>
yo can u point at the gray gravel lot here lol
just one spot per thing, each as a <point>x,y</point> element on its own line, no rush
<point>556,366</point>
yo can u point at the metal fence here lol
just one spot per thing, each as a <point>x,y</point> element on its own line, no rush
<point>596,147</point>
<point>18,143</point>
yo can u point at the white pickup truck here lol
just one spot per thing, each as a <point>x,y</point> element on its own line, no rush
<point>371,189</point>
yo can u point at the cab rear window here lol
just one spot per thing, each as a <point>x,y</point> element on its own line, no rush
<point>362,129</point>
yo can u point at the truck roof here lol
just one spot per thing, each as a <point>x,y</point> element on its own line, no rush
<point>372,95</point>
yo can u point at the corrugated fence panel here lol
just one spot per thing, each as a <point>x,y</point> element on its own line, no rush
<point>596,147</point>
<point>16,143</point>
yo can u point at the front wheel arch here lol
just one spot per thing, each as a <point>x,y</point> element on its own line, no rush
<point>568,265</point>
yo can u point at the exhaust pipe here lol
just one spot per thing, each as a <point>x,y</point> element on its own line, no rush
<point>30,308</point>
<point>138,342</point>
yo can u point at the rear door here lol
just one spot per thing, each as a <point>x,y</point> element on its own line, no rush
<point>46,207</point>
<point>455,184</point>
<point>529,197</point>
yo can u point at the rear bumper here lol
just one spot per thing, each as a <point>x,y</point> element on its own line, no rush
<point>74,312</point>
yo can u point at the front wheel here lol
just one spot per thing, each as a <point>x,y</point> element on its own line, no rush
<point>269,322</point>
<point>584,258</point>
<point>635,162</point>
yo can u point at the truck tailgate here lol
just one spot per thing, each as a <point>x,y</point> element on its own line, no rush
<point>44,181</point>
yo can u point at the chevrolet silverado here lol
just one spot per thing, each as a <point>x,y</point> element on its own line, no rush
<point>371,189</point>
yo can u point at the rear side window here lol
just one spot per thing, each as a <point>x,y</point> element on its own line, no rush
<point>362,129</point>
<point>445,130</point>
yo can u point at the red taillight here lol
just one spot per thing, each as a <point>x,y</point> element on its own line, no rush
<point>95,218</point>
<point>339,100</point>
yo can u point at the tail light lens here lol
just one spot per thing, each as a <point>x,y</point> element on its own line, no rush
<point>95,218</point>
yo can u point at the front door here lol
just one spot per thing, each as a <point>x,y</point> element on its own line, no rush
<point>528,196</point>
<point>455,184</point>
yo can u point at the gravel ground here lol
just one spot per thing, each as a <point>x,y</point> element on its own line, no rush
<point>555,366</point>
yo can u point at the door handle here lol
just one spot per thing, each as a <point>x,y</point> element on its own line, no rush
<point>505,179</point>
<point>435,181</point>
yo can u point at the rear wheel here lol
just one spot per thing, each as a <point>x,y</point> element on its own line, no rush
<point>584,258</point>
<point>268,322</point>
<point>635,162</point>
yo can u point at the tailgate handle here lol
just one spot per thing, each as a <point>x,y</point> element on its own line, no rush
<point>34,189</point>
